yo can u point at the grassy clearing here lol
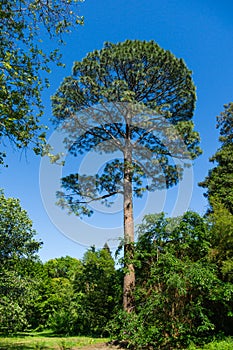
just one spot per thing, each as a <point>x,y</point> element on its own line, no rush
<point>45,340</point>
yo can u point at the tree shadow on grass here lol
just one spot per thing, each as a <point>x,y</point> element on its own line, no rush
<point>7,346</point>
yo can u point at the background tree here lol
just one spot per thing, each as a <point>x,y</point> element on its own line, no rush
<point>136,98</point>
<point>17,294</point>
<point>18,256</point>
<point>222,240</point>
<point>54,306</point>
<point>220,195</point>
<point>221,219</point>
<point>96,284</point>
<point>78,297</point>
<point>220,179</point>
<point>221,254</point>
<point>65,267</point>
<point>23,25</point>
<point>17,240</point>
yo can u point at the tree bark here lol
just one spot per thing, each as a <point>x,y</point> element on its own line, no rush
<point>129,278</point>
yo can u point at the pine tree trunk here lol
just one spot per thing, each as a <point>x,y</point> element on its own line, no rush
<point>129,278</point>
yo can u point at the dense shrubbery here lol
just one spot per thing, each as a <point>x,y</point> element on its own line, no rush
<point>179,296</point>
<point>78,297</point>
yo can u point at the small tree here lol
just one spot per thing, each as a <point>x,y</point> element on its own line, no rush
<point>18,249</point>
<point>136,98</point>
<point>96,284</point>
<point>17,240</point>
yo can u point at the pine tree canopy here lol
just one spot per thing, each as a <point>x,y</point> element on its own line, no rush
<point>133,97</point>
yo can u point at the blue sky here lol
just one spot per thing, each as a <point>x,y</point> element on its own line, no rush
<point>200,32</point>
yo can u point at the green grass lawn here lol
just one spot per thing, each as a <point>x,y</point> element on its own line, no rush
<point>45,340</point>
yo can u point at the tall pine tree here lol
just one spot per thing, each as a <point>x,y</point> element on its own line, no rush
<point>136,98</point>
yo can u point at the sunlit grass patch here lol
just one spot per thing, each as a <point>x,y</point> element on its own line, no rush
<point>226,344</point>
<point>45,340</point>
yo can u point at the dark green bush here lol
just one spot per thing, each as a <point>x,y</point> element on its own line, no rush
<point>177,287</point>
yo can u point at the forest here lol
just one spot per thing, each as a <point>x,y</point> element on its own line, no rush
<point>169,284</point>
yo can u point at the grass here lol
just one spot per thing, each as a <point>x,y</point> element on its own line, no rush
<point>226,344</point>
<point>45,340</point>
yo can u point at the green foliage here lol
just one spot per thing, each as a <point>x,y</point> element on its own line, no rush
<point>16,233</point>
<point>18,264</point>
<point>220,195</point>
<point>178,290</point>
<point>226,344</point>
<point>64,321</point>
<point>13,316</point>
<point>129,71</point>
<point>22,61</point>
<point>55,293</point>
<point>96,285</point>
<point>77,297</point>
<point>183,293</point>
<point>220,254</point>
<point>219,182</point>
<point>17,294</point>
<point>65,267</point>
<point>222,240</point>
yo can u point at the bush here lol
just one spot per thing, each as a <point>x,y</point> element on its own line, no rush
<point>12,316</point>
<point>177,287</point>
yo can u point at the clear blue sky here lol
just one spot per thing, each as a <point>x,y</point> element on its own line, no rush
<point>200,32</point>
